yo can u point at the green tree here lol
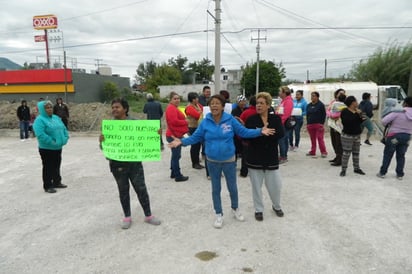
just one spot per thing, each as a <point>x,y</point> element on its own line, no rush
<point>163,75</point>
<point>202,70</point>
<point>145,71</point>
<point>270,77</point>
<point>178,63</point>
<point>110,91</point>
<point>390,66</point>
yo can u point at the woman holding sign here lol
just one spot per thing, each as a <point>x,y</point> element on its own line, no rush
<point>124,172</point>
<point>217,131</point>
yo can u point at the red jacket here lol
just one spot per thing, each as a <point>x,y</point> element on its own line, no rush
<point>251,110</point>
<point>176,122</point>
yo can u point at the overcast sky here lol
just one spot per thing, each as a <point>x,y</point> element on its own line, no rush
<point>122,34</point>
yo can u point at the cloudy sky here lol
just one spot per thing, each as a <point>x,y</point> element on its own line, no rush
<point>121,34</point>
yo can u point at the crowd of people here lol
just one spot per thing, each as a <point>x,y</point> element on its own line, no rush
<point>256,132</point>
<point>262,155</point>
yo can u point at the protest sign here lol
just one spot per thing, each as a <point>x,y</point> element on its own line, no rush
<point>131,140</point>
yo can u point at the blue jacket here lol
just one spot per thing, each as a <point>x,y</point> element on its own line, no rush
<point>302,104</point>
<point>218,138</point>
<point>50,131</point>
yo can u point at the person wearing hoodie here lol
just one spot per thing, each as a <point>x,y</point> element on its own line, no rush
<point>217,131</point>
<point>52,135</point>
<point>285,111</point>
<point>397,139</point>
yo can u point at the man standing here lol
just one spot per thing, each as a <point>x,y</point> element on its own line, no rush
<point>204,98</point>
<point>154,111</point>
<point>367,108</point>
<point>60,109</point>
<point>23,113</point>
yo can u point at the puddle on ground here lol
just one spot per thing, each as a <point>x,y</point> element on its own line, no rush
<point>206,255</point>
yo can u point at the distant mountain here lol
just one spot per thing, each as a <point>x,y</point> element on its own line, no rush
<point>6,64</point>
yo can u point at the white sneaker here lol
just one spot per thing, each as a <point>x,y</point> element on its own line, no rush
<point>238,216</point>
<point>219,221</point>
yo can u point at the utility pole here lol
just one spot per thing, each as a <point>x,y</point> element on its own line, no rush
<point>218,22</point>
<point>98,64</point>
<point>326,68</point>
<point>257,59</point>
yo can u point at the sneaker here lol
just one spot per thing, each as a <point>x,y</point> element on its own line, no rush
<point>291,148</point>
<point>367,142</point>
<point>279,212</point>
<point>295,149</point>
<point>60,185</point>
<point>400,178</point>
<point>310,154</point>
<point>238,216</point>
<point>282,160</point>
<point>152,220</point>
<point>324,155</point>
<point>380,175</point>
<point>219,221</point>
<point>359,171</point>
<point>342,173</point>
<point>126,222</point>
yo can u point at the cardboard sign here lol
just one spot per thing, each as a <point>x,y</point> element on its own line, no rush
<point>131,140</point>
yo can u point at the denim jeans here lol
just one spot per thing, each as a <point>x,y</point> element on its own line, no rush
<point>215,171</point>
<point>24,129</point>
<point>284,144</point>
<point>174,161</point>
<point>133,171</point>
<point>398,143</point>
<point>296,131</point>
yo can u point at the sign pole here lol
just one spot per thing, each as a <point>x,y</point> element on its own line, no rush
<point>47,48</point>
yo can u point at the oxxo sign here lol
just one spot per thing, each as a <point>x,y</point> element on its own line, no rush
<point>45,22</point>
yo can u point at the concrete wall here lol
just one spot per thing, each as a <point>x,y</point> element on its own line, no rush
<point>89,87</point>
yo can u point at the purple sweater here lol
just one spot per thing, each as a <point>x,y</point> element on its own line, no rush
<point>401,122</point>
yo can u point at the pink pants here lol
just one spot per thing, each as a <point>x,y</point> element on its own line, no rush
<point>316,133</point>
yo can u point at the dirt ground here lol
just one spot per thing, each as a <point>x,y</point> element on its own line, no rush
<point>355,224</point>
<point>83,117</point>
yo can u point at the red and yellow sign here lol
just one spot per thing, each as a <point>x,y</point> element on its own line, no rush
<point>39,38</point>
<point>48,21</point>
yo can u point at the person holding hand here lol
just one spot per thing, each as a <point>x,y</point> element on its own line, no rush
<point>217,131</point>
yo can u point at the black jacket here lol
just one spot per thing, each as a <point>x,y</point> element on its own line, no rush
<point>23,112</point>
<point>262,152</point>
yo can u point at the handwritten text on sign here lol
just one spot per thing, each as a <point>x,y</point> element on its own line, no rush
<point>131,140</point>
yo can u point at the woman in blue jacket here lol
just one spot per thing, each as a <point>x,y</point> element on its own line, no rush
<point>51,135</point>
<point>217,131</point>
